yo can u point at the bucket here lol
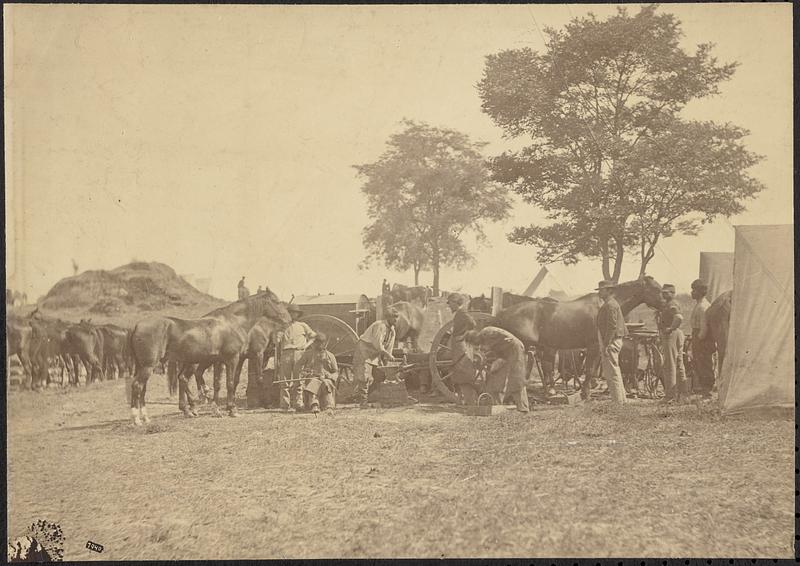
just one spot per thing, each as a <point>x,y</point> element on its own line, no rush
<point>483,408</point>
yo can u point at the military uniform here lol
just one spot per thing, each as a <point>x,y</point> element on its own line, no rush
<point>673,372</point>
<point>702,348</point>
<point>506,376</point>
<point>323,371</point>
<point>463,371</point>
<point>611,330</point>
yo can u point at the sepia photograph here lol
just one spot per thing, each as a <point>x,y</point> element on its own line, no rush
<point>399,281</point>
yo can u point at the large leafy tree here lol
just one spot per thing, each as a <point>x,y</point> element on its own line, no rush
<point>425,193</point>
<point>611,160</point>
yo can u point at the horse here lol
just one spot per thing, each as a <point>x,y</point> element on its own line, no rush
<point>18,333</point>
<point>116,355</point>
<point>409,324</point>
<point>49,345</point>
<point>259,338</point>
<point>481,304</point>
<point>86,341</point>
<point>552,325</point>
<point>220,336</point>
<point>718,318</point>
<point>402,293</point>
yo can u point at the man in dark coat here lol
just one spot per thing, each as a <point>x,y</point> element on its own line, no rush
<point>611,330</point>
<point>463,374</point>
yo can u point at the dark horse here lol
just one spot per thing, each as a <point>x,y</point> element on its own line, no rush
<point>552,325</point>
<point>220,336</point>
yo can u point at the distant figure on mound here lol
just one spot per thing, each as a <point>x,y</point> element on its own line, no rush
<point>244,292</point>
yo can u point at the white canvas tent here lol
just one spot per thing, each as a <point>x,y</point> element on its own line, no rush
<point>550,282</point>
<point>716,269</point>
<point>758,371</point>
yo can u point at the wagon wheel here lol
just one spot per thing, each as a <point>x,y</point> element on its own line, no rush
<point>342,340</point>
<point>440,359</point>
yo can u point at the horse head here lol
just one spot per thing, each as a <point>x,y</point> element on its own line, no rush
<point>267,304</point>
<point>645,290</point>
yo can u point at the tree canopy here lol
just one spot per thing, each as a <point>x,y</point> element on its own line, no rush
<point>428,190</point>
<point>611,160</point>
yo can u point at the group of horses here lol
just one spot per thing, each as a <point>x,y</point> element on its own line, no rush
<point>550,326</point>
<point>49,346</point>
<point>246,330</point>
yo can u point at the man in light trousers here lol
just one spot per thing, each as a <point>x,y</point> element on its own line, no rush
<point>672,338</point>
<point>611,330</point>
<point>292,343</point>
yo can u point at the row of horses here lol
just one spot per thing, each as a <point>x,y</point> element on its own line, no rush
<point>48,346</point>
<point>551,326</point>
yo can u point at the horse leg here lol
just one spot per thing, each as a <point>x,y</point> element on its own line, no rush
<point>142,374</point>
<point>548,369</point>
<point>186,400</point>
<point>231,366</point>
<point>199,379</point>
<point>238,373</point>
<point>142,405</point>
<point>172,377</point>
<point>217,385</point>
<point>592,370</point>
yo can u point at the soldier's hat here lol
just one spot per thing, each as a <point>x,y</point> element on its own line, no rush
<point>605,284</point>
<point>392,312</point>
<point>699,284</point>
<point>320,338</point>
<point>668,287</point>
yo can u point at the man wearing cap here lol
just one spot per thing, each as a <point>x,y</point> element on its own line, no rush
<point>669,326</point>
<point>292,343</point>
<point>505,356</point>
<point>463,374</point>
<point>374,345</point>
<point>322,370</point>
<point>702,346</point>
<point>610,332</point>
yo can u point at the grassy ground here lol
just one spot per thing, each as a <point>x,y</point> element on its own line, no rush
<point>422,481</point>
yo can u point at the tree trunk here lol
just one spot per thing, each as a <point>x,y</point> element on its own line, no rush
<point>435,263</point>
<point>606,267</point>
<point>620,253</point>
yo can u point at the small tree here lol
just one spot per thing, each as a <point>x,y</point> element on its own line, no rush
<point>602,106</point>
<point>425,193</point>
<point>397,245</point>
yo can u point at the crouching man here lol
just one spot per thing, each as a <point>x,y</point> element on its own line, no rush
<point>505,355</point>
<point>322,371</point>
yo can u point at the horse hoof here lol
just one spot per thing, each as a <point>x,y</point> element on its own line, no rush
<point>189,414</point>
<point>216,414</point>
<point>137,421</point>
<point>233,414</point>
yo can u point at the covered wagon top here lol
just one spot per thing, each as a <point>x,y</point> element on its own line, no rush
<point>331,300</point>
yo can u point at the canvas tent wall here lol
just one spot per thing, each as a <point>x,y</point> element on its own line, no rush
<point>550,282</point>
<point>716,269</point>
<point>758,371</point>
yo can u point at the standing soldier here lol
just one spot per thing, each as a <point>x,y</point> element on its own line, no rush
<point>669,326</point>
<point>323,371</point>
<point>243,292</point>
<point>610,332</point>
<point>374,346</point>
<point>292,343</point>
<point>702,346</point>
<point>463,374</point>
<point>505,355</point>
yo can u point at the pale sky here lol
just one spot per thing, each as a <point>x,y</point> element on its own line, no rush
<point>220,139</point>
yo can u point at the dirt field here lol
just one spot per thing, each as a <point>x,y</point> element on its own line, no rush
<point>422,481</point>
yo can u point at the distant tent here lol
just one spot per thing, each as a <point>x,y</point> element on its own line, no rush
<point>548,283</point>
<point>716,269</point>
<point>758,371</point>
